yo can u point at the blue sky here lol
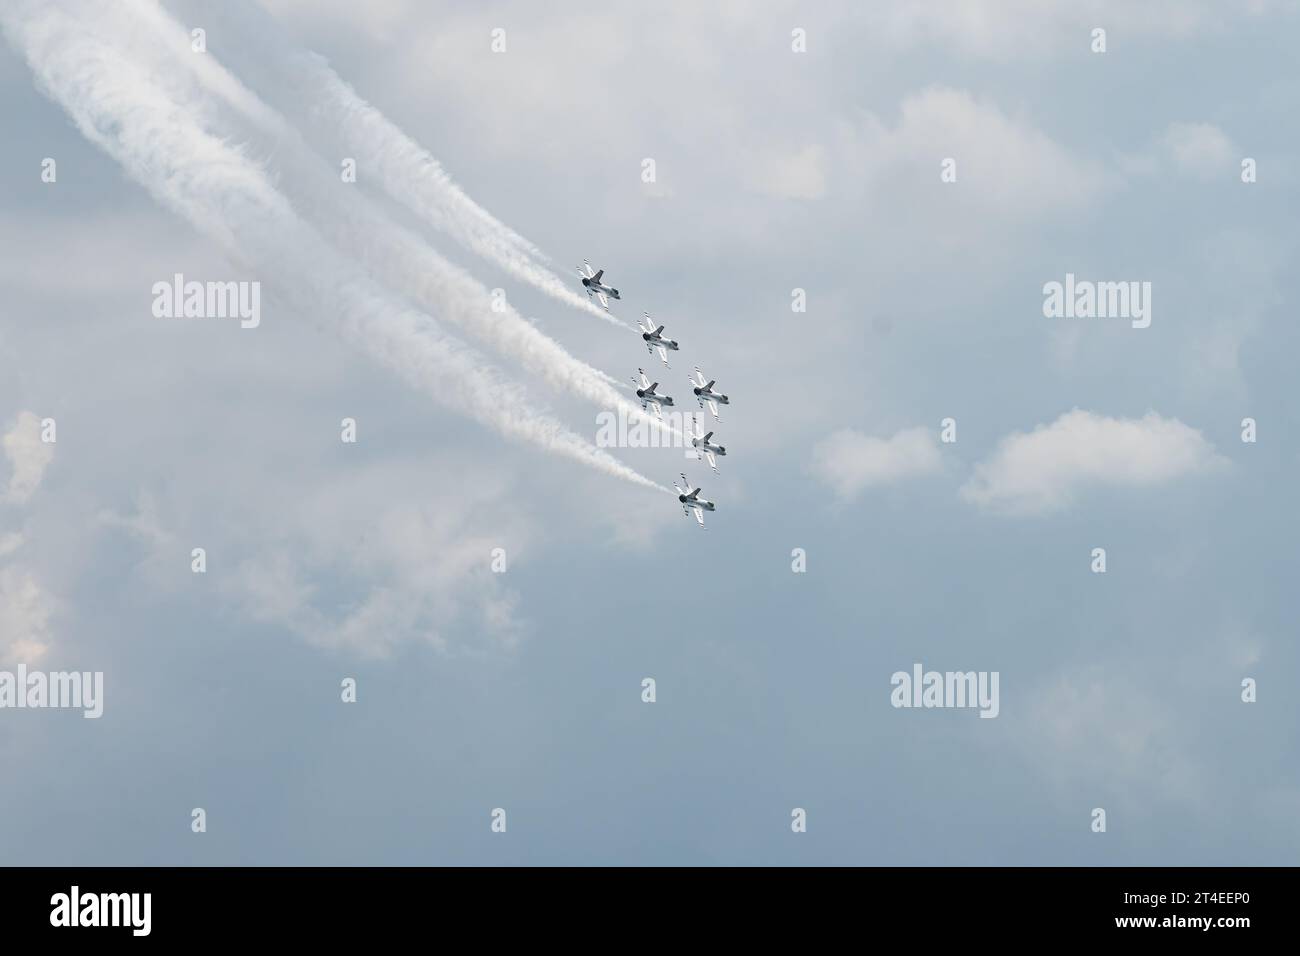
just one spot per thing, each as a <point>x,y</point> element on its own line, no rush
<point>776,171</point>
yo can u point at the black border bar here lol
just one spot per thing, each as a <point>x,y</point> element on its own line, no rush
<point>211,904</point>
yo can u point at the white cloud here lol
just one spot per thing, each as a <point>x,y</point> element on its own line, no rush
<point>25,608</point>
<point>1003,163</point>
<point>28,457</point>
<point>849,461</point>
<point>25,611</point>
<point>374,559</point>
<point>1045,469</point>
<point>1201,150</point>
<point>362,560</point>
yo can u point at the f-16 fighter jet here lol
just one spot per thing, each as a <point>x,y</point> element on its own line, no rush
<point>704,447</point>
<point>654,339</point>
<point>649,396</point>
<point>704,393</point>
<point>591,282</point>
<point>691,500</point>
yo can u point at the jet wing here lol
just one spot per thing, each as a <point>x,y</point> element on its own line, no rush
<point>663,354</point>
<point>659,413</point>
<point>699,515</point>
<point>713,407</point>
<point>604,300</point>
<point>587,267</point>
<point>713,462</point>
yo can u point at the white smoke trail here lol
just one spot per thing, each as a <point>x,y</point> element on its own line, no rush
<point>302,84</point>
<point>229,198</point>
<point>397,256</point>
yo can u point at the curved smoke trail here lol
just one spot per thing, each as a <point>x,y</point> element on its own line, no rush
<point>224,195</point>
<point>302,84</point>
<point>394,254</point>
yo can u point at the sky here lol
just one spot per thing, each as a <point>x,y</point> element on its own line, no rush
<point>854,215</point>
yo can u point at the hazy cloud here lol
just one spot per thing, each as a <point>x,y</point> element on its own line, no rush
<point>849,461</point>
<point>800,174</point>
<point>25,611</point>
<point>1003,163</point>
<point>27,455</point>
<point>1201,150</point>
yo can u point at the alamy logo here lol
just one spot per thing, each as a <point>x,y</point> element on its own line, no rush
<point>57,689</point>
<point>621,430</point>
<point>1083,299</point>
<point>102,909</point>
<point>179,299</point>
<point>923,688</point>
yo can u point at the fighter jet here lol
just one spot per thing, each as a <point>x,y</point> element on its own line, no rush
<point>691,500</point>
<point>704,447</point>
<point>591,282</point>
<point>649,396</point>
<point>654,339</point>
<point>704,393</point>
